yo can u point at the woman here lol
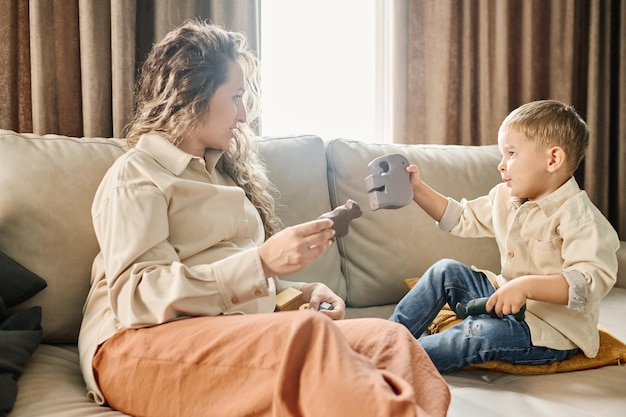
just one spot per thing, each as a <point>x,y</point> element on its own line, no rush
<point>190,251</point>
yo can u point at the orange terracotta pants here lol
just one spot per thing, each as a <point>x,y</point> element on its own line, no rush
<point>281,364</point>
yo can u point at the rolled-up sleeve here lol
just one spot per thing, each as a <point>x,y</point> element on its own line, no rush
<point>468,218</point>
<point>577,299</point>
<point>451,216</point>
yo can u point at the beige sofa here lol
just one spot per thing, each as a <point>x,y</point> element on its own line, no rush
<point>47,184</point>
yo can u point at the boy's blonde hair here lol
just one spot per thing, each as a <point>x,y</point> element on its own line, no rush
<point>551,123</point>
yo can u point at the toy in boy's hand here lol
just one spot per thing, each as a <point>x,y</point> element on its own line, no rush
<point>342,215</point>
<point>388,186</point>
<point>479,306</point>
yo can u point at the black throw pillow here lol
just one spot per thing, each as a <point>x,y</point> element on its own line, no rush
<point>20,332</point>
<point>17,284</point>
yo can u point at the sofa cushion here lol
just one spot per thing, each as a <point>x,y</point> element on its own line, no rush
<point>48,183</point>
<point>297,167</point>
<point>375,252</point>
<point>53,386</point>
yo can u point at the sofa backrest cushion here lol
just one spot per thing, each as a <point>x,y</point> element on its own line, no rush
<point>297,167</point>
<point>375,251</point>
<point>47,184</point>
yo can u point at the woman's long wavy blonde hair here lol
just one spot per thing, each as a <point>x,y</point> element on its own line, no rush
<point>176,83</point>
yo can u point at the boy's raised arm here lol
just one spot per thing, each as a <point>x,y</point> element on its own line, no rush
<point>431,201</point>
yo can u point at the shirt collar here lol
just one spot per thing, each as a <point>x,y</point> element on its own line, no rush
<point>550,203</point>
<point>211,157</point>
<point>172,158</point>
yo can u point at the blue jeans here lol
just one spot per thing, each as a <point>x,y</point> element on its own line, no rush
<point>476,339</point>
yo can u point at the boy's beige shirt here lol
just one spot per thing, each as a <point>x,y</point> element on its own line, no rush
<point>177,239</point>
<point>562,233</point>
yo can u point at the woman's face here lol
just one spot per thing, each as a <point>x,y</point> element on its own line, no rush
<point>226,110</point>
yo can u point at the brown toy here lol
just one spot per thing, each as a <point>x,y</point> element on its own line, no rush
<point>342,215</point>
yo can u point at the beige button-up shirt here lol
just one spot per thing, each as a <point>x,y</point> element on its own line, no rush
<point>177,239</point>
<point>562,233</point>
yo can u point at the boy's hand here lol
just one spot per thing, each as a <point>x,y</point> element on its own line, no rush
<point>507,299</point>
<point>415,177</point>
<point>428,199</point>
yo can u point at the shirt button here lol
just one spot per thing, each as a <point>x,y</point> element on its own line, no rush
<point>510,254</point>
<point>257,293</point>
<point>234,300</point>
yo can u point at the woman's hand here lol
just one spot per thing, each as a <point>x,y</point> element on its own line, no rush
<point>315,293</point>
<point>294,248</point>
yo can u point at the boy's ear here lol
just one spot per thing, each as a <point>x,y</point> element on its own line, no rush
<point>556,158</point>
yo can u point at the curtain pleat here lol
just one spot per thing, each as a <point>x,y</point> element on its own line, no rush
<point>238,16</point>
<point>15,108</point>
<point>398,77</point>
<point>469,63</point>
<point>619,198</point>
<point>96,64</point>
<point>123,35</point>
<point>605,163</point>
<point>55,67</point>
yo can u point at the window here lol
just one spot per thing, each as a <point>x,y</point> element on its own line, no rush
<point>319,69</point>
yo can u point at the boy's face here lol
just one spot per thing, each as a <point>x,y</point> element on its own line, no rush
<point>524,169</point>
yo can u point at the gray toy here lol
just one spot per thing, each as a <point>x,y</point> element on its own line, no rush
<point>388,186</point>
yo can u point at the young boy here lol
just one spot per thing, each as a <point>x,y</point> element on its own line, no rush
<point>558,252</point>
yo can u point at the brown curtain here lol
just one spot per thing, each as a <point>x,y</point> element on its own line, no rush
<point>460,66</point>
<point>69,66</point>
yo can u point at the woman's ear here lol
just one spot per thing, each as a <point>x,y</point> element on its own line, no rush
<point>556,158</point>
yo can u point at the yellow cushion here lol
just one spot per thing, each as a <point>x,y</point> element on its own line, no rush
<point>612,351</point>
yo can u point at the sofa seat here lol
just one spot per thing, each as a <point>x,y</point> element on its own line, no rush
<point>589,393</point>
<point>53,386</point>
